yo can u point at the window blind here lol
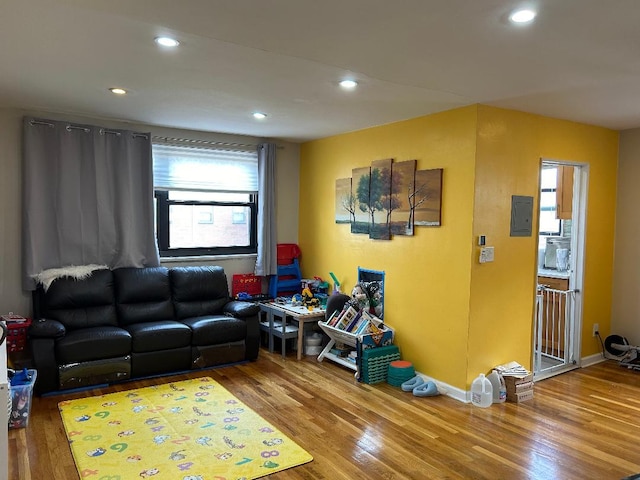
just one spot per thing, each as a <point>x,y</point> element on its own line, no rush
<point>191,168</point>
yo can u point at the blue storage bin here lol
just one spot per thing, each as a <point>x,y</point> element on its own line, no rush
<point>21,393</point>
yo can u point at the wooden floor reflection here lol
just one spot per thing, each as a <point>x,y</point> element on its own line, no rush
<point>580,425</point>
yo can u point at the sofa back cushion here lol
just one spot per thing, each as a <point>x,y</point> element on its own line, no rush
<point>198,291</point>
<point>142,295</point>
<point>87,302</point>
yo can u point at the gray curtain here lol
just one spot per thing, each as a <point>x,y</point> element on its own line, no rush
<point>267,261</point>
<point>87,197</point>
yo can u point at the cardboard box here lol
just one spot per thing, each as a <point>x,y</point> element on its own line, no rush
<point>520,396</point>
<point>517,380</point>
<point>519,387</point>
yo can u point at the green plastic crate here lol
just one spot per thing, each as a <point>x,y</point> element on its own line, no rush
<point>375,363</point>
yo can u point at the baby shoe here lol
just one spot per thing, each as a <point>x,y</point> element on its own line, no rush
<point>426,389</point>
<point>409,385</point>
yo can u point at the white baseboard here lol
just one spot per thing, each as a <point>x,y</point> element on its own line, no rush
<point>448,390</point>
<point>465,396</point>
<point>591,360</point>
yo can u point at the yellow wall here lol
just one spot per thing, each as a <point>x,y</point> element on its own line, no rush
<point>510,148</point>
<point>454,317</point>
<point>427,275</point>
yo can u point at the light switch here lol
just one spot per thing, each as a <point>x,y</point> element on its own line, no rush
<point>486,254</point>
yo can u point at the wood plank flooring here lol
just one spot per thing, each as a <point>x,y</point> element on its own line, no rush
<point>583,424</point>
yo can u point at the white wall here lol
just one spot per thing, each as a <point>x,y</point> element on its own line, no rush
<point>12,298</point>
<point>625,319</point>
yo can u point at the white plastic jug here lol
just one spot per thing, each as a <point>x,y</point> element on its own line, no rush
<point>498,386</point>
<point>562,259</point>
<point>481,392</point>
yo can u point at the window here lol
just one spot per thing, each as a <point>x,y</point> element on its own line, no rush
<point>205,200</point>
<point>239,215</point>
<point>549,224</point>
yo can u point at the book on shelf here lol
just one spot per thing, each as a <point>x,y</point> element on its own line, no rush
<point>375,320</point>
<point>341,351</point>
<point>354,322</point>
<point>358,325</point>
<point>346,318</point>
<point>335,316</point>
<point>363,327</point>
<point>365,318</point>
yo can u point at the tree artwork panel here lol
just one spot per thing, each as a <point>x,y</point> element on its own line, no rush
<point>345,201</point>
<point>403,174</point>
<point>389,199</point>
<point>427,199</point>
<point>380,199</point>
<point>360,178</point>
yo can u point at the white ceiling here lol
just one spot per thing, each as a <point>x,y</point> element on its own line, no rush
<point>580,61</point>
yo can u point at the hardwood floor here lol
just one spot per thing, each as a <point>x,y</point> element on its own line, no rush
<point>580,425</point>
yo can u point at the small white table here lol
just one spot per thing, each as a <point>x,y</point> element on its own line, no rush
<point>284,330</point>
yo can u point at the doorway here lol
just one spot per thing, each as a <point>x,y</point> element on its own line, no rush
<point>560,254</point>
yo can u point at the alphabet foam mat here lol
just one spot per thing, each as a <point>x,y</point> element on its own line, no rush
<point>188,430</point>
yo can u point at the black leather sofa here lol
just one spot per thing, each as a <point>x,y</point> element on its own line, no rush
<point>137,322</point>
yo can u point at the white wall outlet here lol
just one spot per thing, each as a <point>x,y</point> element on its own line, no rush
<point>596,329</point>
<point>486,254</point>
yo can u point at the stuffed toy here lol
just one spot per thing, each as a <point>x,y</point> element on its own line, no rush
<point>359,295</point>
<point>375,298</point>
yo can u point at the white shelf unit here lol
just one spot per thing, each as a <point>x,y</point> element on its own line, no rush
<point>4,414</point>
<point>340,336</point>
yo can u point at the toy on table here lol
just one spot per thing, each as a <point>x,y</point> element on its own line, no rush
<point>308,300</point>
<point>321,285</point>
<point>336,283</point>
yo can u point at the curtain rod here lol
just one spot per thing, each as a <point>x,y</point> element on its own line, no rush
<point>70,127</point>
<point>204,142</point>
<point>208,142</point>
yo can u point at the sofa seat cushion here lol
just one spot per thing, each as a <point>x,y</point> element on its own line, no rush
<point>93,343</point>
<point>216,329</point>
<point>155,336</point>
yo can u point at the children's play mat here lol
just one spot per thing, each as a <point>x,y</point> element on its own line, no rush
<point>189,430</point>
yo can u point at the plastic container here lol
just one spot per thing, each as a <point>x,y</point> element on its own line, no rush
<point>498,386</point>
<point>481,391</point>
<point>21,394</point>
<point>286,252</point>
<point>313,340</point>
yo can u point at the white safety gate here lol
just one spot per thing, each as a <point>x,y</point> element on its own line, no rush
<point>553,342</point>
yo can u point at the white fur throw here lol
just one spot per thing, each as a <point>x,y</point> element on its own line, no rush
<point>46,277</point>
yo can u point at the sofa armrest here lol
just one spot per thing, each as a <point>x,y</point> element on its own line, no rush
<point>45,328</point>
<point>249,312</point>
<point>241,309</point>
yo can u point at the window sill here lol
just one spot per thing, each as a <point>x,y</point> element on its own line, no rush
<point>207,258</point>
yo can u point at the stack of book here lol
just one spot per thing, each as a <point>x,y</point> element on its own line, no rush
<point>518,380</point>
<point>356,322</point>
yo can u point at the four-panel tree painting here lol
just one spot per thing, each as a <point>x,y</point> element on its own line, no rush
<point>389,198</point>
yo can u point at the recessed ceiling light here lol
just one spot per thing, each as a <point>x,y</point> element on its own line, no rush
<point>348,84</point>
<point>118,91</point>
<point>259,115</point>
<point>522,16</point>
<point>167,42</point>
